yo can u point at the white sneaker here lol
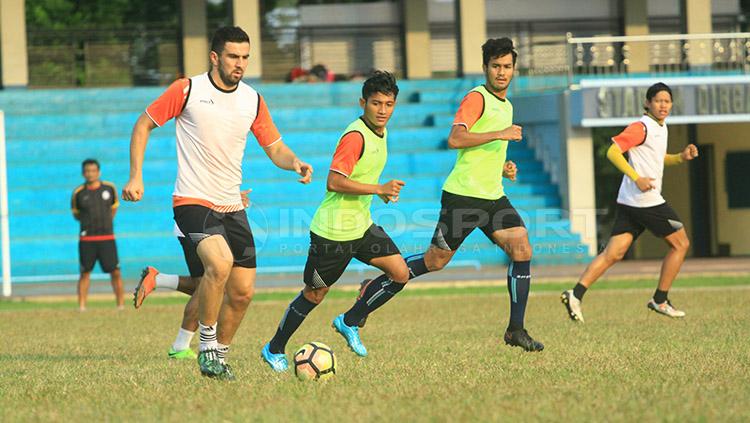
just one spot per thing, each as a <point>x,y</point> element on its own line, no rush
<point>665,308</point>
<point>573,305</point>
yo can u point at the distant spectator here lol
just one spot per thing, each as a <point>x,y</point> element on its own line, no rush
<point>94,204</point>
<point>297,74</point>
<point>322,73</point>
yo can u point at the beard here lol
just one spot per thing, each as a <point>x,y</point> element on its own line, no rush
<point>228,78</point>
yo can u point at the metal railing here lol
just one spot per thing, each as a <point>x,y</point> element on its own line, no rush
<point>668,53</point>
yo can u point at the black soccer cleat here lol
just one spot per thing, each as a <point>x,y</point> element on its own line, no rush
<point>521,338</point>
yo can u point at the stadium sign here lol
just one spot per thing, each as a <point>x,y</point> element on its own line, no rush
<point>617,102</point>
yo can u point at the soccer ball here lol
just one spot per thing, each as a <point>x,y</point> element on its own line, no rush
<point>314,361</point>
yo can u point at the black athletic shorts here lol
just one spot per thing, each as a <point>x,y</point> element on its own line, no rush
<point>327,259</point>
<point>661,220</point>
<point>198,223</point>
<point>194,264</point>
<point>460,215</point>
<point>104,251</point>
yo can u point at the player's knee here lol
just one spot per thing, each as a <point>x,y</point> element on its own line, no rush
<point>613,256</point>
<point>400,275</point>
<point>522,253</point>
<point>437,259</point>
<point>218,270</point>
<point>242,297</point>
<point>315,296</point>
<point>681,244</point>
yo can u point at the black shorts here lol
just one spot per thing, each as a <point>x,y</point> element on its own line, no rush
<point>194,263</point>
<point>327,259</point>
<point>661,220</point>
<point>198,223</point>
<point>460,215</point>
<point>104,251</point>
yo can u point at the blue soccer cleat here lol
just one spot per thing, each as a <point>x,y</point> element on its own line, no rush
<point>351,334</point>
<point>277,361</point>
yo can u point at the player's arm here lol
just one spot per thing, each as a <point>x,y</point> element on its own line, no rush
<point>169,105</point>
<point>460,137</point>
<point>115,202</point>
<point>283,157</point>
<point>133,189</point>
<point>510,170</point>
<point>340,183</point>
<point>468,114</point>
<point>269,138</point>
<point>348,152</point>
<point>74,205</point>
<point>632,136</point>
<point>689,153</point>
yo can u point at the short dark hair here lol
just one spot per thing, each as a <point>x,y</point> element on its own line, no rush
<point>89,162</point>
<point>380,82</point>
<point>498,47</point>
<point>228,34</point>
<point>656,89</point>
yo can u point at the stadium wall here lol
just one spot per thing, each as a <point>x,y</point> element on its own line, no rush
<point>732,223</point>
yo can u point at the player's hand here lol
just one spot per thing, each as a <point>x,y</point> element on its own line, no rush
<point>689,153</point>
<point>511,133</point>
<point>245,195</point>
<point>510,170</point>
<point>391,189</point>
<point>385,198</point>
<point>133,190</point>
<point>304,170</point>
<point>645,184</point>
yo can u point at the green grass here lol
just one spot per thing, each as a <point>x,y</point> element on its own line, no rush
<point>435,355</point>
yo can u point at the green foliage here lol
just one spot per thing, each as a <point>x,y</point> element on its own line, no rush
<point>110,14</point>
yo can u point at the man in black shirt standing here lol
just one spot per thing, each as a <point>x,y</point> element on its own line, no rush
<point>94,204</point>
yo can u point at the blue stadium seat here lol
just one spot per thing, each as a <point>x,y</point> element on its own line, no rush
<point>49,133</point>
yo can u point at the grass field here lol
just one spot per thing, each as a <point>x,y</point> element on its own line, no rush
<point>435,355</point>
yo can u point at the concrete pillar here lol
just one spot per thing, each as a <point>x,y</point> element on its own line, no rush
<point>416,39</point>
<point>471,33</point>
<point>15,66</point>
<point>194,38</point>
<point>247,16</point>
<point>635,14</point>
<point>696,19</point>
<point>580,183</point>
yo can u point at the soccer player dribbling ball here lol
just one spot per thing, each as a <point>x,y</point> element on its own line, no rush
<point>640,204</point>
<point>342,227</point>
<point>214,112</point>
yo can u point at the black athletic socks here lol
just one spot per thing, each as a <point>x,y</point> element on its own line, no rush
<point>660,296</point>
<point>293,317</point>
<point>519,281</point>
<point>378,292</point>
<point>416,266</point>
<point>578,291</point>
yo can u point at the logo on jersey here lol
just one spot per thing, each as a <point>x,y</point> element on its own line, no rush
<point>106,195</point>
<point>209,101</point>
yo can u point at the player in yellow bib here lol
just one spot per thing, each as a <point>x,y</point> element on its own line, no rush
<point>473,195</point>
<point>342,227</point>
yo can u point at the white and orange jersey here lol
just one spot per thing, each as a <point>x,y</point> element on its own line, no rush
<point>645,141</point>
<point>212,127</point>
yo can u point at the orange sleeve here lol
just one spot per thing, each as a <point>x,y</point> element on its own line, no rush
<point>634,135</point>
<point>263,127</point>
<point>470,110</point>
<point>170,103</point>
<point>348,153</point>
